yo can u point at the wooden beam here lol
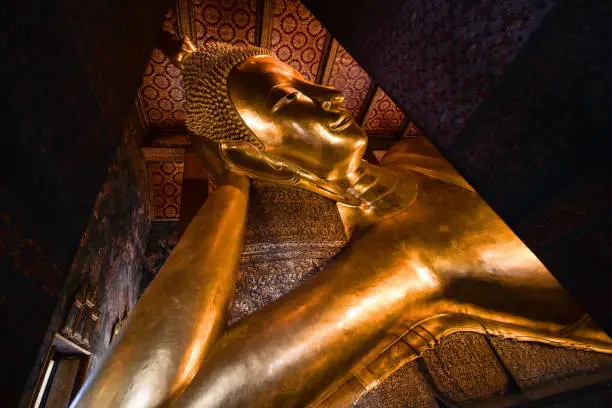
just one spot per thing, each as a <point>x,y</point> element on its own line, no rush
<point>380,142</point>
<point>402,128</point>
<point>324,58</point>
<point>194,191</point>
<point>365,107</point>
<point>263,25</point>
<point>331,60</point>
<point>185,18</point>
<point>163,154</point>
<point>140,111</point>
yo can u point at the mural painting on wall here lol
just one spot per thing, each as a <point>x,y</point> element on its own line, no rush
<point>412,130</point>
<point>110,250</point>
<point>113,244</point>
<point>30,283</point>
<point>83,317</point>
<point>161,242</point>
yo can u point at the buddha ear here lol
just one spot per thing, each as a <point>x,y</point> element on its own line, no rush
<point>246,158</point>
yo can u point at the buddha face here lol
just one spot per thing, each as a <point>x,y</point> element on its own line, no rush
<point>299,122</point>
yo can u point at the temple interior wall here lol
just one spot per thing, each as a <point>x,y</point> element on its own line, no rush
<point>72,69</point>
<point>110,252</point>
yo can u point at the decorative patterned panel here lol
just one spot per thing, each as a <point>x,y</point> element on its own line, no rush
<point>297,37</point>
<point>166,185</point>
<point>231,21</point>
<point>384,116</point>
<point>351,79</point>
<point>161,91</point>
<point>532,364</point>
<point>290,233</point>
<point>407,387</point>
<point>463,368</point>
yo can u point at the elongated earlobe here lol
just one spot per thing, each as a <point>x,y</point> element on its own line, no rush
<point>245,158</point>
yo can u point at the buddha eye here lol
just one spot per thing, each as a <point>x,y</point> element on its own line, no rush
<point>291,97</point>
<point>287,99</point>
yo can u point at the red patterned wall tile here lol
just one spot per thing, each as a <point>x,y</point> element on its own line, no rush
<point>161,90</point>
<point>351,79</point>
<point>166,186</point>
<point>162,93</point>
<point>384,116</point>
<point>231,21</point>
<point>297,37</point>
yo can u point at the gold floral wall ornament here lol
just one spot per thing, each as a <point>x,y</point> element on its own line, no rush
<point>83,317</point>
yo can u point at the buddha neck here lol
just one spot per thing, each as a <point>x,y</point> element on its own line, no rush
<point>381,191</point>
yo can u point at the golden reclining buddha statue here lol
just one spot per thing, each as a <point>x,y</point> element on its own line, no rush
<point>427,257</point>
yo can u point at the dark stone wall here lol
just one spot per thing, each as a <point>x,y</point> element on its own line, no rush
<point>74,70</point>
<point>71,71</point>
<point>595,396</point>
<point>162,240</point>
<point>516,94</point>
<point>437,59</point>
<point>30,281</point>
<point>110,252</point>
<point>539,151</point>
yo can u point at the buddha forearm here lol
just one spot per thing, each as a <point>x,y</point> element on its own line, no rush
<point>182,312</point>
<point>283,355</point>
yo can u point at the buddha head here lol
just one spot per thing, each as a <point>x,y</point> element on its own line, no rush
<point>268,122</point>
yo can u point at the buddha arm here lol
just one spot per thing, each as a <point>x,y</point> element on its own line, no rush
<point>446,257</point>
<point>492,284</point>
<point>182,313</point>
<point>500,288</point>
<point>284,354</point>
<point>402,271</point>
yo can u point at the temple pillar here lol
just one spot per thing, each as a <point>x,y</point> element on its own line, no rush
<point>194,190</point>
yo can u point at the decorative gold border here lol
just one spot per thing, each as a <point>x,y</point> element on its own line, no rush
<point>163,154</point>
